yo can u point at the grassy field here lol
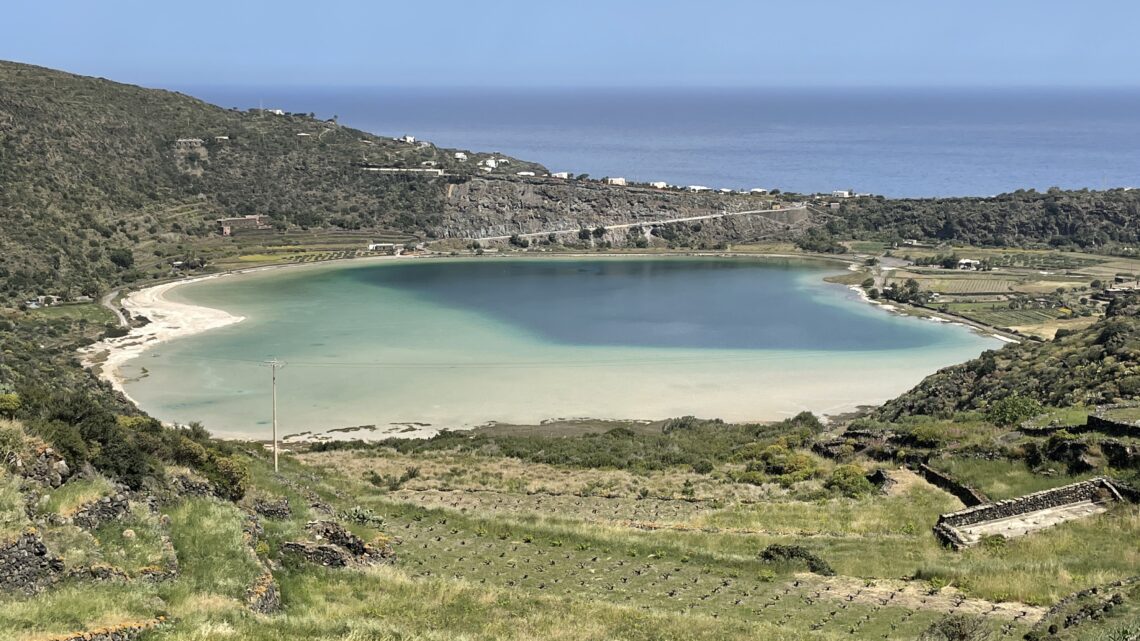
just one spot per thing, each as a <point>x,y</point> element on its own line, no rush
<point>492,546</point>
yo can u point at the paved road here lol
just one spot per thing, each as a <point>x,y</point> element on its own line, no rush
<point>108,301</point>
<point>648,223</point>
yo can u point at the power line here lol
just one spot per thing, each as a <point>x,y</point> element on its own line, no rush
<point>273,365</point>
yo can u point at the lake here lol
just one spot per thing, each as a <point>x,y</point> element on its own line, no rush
<point>419,345</point>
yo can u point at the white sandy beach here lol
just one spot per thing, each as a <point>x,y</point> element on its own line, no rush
<point>168,320</point>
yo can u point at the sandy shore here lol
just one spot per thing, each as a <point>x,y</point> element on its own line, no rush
<point>168,320</point>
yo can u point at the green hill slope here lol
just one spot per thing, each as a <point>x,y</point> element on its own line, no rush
<point>90,168</point>
<point>1096,365</point>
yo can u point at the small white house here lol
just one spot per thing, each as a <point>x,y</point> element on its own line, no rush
<point>524,173</point>
<point>489,163</point>
<point>659,184</point>
<point>758,190</point>
<point>616,181</point>
<point>697,188</point>
<point>276,112</point>
<point>564,175</point>
<point>411,140</point>
<point>843,193</point>
<point>969,264</point>
<point>460,156</point>
<point>725,190</point>
<point>427,163</point>
<point>374,247</point>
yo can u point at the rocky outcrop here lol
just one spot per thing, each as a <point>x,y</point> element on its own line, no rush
<point>26,565</point>
<point>337,547</point>
<point>487,207</point>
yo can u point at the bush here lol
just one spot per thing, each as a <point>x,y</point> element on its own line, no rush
<point>9,404</point>
<point>849,480</point>
<point>957,627</point>
<point>230,477</point>
<point>777,553</point>
<point>703,466</point>
<point>1012,410</point>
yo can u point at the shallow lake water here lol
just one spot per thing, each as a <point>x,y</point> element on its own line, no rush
<point>455,343</point>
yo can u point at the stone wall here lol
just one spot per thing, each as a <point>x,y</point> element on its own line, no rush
<point>103,510</point>
<point>1110,427</point>
<point>26,565</point>
<point>966,494</point>
<point>1098,489</point>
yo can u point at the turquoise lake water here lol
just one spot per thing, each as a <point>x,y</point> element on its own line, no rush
<point>459,343</point>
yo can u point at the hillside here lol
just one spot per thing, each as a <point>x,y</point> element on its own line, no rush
<point>1090,220</point>
<point>1096,365</point>
<point>103,183</point>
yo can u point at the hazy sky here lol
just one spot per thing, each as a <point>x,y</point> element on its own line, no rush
<point>583,42</point>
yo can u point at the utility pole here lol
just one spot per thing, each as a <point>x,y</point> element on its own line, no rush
<point>273,365</point>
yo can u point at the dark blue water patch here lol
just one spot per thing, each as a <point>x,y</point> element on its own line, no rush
<point>691,303</point>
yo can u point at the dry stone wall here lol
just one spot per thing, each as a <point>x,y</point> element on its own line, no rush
<point>26,565</point>
<point>966,494</point>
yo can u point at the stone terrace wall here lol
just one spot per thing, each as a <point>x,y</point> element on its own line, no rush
<point>26,565</point>
<point>966,494</point>
<point>1091,490</point>
<point>1110,427</point>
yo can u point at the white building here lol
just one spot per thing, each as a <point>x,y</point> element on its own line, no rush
<point>427,163</point>
<point>616,181</point>
<point>276,112</point>
<point>460,156</point>
<point>659,184</point>
<point>758,190</point>
<point>489,163</point>
<point>697,188</point>
<point>525,173</point>
<point>843,193</point>
<point>411,140</point>
<point>564,175</point>
<point>969,264</point>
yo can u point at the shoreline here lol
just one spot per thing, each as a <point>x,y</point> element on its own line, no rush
<point>170,320</point>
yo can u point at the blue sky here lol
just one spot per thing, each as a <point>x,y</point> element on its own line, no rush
<point>583,42</point>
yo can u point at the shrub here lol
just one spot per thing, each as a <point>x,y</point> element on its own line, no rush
<point>703,466</point>
<point>9,404</point>
<point>1012,410</point>
<point>230,477</point>
<point>777,553</point>
<point>957,627</point>
<point>849,480</point>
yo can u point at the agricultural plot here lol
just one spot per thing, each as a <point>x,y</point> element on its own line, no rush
<point>964,285</point>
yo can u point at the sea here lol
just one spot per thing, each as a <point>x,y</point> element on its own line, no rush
<point>399,347</point>
<point>895,142</point>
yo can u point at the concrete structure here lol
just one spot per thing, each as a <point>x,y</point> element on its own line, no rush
<point>253,221</point>
<point>616,181</point>
<point>524,173</point>
<point>758,190</point>
<point>697,188</point>
<point>411,140</point>
<point>380,247</point>
<point>843,193</point>
<point>564,175</point>
<point>276,112</point>
<point>659,184</point>
<point>969,264</point>
<point>1027,514</point>
<point>221,138</point>
<point>460,156</point>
